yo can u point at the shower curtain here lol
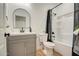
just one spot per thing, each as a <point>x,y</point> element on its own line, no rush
<point>49,25</point>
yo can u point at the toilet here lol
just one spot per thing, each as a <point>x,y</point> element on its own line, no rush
<point>46,46</point>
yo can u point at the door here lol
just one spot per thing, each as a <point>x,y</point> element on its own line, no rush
<point>2,29</point>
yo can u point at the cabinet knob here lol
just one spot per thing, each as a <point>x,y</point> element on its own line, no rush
<point>6,34</point>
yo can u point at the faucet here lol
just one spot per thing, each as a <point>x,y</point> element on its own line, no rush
<point>22,30</point>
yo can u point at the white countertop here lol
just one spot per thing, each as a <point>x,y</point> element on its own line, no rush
<point>16,33</point>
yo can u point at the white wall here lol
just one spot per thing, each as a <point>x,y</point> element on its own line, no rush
<point>64,23</point>
<point>2,29</point>
<point>63,28</point>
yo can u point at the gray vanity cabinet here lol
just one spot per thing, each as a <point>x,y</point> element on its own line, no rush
<point>21,45</point>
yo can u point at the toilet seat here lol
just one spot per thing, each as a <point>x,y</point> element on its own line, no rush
<point>49,44</point>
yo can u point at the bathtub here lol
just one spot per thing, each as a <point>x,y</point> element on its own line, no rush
<point>63,48</point>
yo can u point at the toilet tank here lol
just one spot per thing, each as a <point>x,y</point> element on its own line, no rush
<point>42,37</point>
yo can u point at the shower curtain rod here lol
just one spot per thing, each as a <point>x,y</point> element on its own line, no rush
<point>57,6</point>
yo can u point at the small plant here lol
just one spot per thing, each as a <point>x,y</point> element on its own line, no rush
<point>77,27</point>
<point>76,31</point>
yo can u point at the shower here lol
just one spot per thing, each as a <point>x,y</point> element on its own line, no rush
<point>49,23</point>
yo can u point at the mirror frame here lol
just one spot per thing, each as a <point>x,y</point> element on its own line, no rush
<point>14,19</point>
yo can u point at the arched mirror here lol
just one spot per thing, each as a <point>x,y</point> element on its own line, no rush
<point>21,19</point>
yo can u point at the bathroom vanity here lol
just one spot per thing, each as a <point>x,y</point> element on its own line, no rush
<point>21,45</point>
